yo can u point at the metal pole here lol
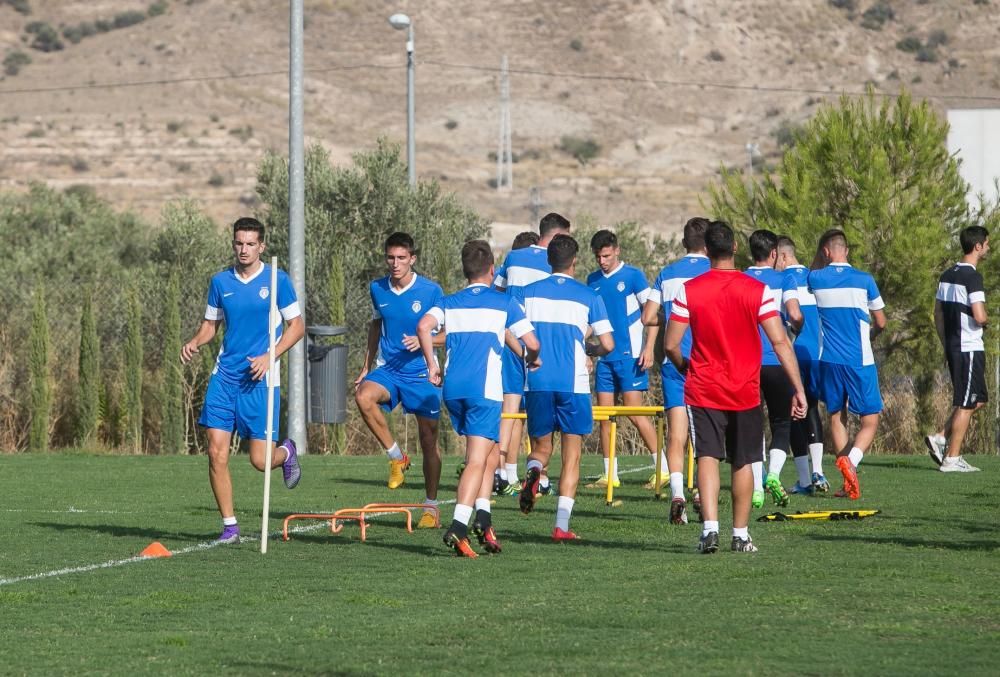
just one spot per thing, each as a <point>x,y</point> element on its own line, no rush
<point>411,141</point>
<point>296,227</point>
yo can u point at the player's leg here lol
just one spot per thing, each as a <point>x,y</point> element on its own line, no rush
<point>971,397</point>
<point>744,431</point>
<point>799,442</point>
<point>218,417</point>
<point>606,399</point>
<point>251,424</point>
<point>708,437</point>
<point>540,408</point>
<point>477,452</point>
<point>376,394</point>
<point>511,431</point>
<point>937,443</point>
<point>647,432</point>
<point>677,439</point>
<point>777,391</point>
<point>570,446</point>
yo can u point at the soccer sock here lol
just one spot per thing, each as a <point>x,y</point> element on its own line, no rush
<point>394,453</point>
<point>511,472</point>
<point>663,462</point>
<point>501,473</point>
<point>429,502</point>
<point>229,521</point>
<point>483,512</point>
<point>460,520</point>
<point>856,455</point>
<point>544,482</point>
<point>606,468</point>
<point>563,510</point>
<point>709,526</point>
<point>677,485</point>
<point>757,468</point>
<point>742,533</point>
<point>816,454</point>
<point>778,458</point>
<point>802,467</point>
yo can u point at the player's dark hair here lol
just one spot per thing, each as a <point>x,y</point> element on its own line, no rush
<point>602,239</point>
<point>525,239</point>
<point>561,252</point>
<point>249,224</point>
<point>834,235</point>
<point>719,240</point>
<point>477,257</point>
<point>694,233</point>
<point>762,243</point>
<point>552,221</point>
<point>400,240</point>
<point>971,236</point>
<point>785,242</point>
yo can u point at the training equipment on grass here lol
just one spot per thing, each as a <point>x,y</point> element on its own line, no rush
<point>361,514</point>
<point>610,413</point>
<point>155,549</point>
<point>831,515</point>
<point>272,314</point>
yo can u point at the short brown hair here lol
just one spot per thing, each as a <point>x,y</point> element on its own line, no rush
<point>477,257</point>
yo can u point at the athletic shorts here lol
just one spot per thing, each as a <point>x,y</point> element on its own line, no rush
<point>513,372</point>
<point>777,393</point>
<point>620,376</point>
<point>240,406</point>
<point>547,411</point>
<point>968,377</point>
<point>857,387</point>
<point>673,386</point>
<point>809,371</point>
<point>478,417</point>
<point>417,395</point>
<point>735,436</point>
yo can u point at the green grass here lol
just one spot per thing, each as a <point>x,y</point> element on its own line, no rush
<point>909,591</point>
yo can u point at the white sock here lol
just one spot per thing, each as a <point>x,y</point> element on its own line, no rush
<point>606,462</point>
<point>501,472</point>
<point>563,510</point>
<point>778,458</point>
<point>544,482</point>
<point>394,453</point>
<point>741,532</point>
<point>429,502</point>
<point>856,455</point>
<point>482,504</point>
<point>229,521</point>
<point>708,527</point>
<point>511,469</point>
<point>462,513</point>
<point>615,472</point>
<point>663,462</point>
<point>757,468</point>
<point>816,454</point>
<point>802,466</point>
<point>676,485</point>
<point>534,464</point>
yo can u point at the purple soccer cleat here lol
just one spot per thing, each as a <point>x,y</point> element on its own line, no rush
<point>230,534</point>
<point>290,468</point>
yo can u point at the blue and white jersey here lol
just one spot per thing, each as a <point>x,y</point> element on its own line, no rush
<point>624,291</point>
<point>561,309</point>
<point>672,278</point>
<point>775,282</point>
<point>244,305</point>
<point>476,319</point>
<point>796,286</point>
<point>523,266</point>
<point>400,310</point>
<point>844,299</point>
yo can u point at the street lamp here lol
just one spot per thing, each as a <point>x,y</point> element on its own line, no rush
<point>752,150</point>
<point>399,22</point>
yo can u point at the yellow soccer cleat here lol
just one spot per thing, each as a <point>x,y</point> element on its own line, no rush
<point>427,521</point>
<point>664,480</point>
<point>396,470</point>
<point>602,483</point>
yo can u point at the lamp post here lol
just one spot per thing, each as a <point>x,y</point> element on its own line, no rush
<point>399,22</point>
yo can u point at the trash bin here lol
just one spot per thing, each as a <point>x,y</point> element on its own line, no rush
<point>327,375</point>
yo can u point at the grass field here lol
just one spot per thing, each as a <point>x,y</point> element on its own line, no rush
<point>912,590</point>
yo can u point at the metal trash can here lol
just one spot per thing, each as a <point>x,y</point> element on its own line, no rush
<point>327,375</point>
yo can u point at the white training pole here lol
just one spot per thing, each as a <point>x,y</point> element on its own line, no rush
<point>272,314</point>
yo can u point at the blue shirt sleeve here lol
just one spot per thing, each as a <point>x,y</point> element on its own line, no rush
<point>286,292</point>
<point>598,311</point>
<point>214,293</point>
<point>515,313</point>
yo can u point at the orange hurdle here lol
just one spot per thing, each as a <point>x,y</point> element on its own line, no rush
<point>359,515</point>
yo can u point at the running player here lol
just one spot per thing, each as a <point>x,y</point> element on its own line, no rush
<point>477,320</point>
<point>624,290</point>
<point>394,371</point>
<point>558,395</point>
<point>960,316</point>
<point>799,308</point>
<point>724,308</point>
<point>774,384</point>
<point>237,391</point>
<point>851,315</point>
<point>670,279</point>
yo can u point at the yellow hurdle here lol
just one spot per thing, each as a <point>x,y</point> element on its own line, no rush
<point>690,456</point>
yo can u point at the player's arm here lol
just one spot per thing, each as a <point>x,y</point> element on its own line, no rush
<point>939,321</point>
<point>206,332</point>
<point>371,349</point>
<point>651,316</point>
<point>878,322</point>
<point>775,331</point>
<point>646,359</point>
<point>794,312</point>
<point>672,343</point>
<point>425,328</point>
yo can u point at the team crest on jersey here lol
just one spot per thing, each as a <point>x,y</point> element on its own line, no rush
<point>621,286</point>
<point>561,280</point>
<point>263,292</point>
<point>476,290</point>
<point>416,306</point>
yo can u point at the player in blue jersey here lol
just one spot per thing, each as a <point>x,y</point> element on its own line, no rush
<point>775,385</point>
<point>623,371</point>
<point>394,372</point>
<point>237,391</point>
<point>558,393</point>
<point>656,309</point>
<point>522,267</point>
<point>851,314</point>
<point>801,316</point>
<point>478,321</point>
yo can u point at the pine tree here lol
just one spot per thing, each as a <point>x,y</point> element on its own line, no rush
<point>88,394</point>
<point>133,373</point>
<point>172,402</point>
<point>41,388</point>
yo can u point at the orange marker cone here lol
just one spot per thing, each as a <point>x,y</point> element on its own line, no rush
<point>155,549</point>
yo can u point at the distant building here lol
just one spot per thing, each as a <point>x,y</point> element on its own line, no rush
<point>974,138</point>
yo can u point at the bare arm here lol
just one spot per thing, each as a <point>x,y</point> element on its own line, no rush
<point>878,322</point>
<point>206,332</point>
<point>605,344</point>
<point>979,314</point>
<point>374,332</point>
<point>672,344</point>
<point>775,331</point>
<point>795,317</point>
<point>646,359</point>
<point>651,316</point>
<point>939,320</point>
<point>531,350</point>
<point>428,323</point>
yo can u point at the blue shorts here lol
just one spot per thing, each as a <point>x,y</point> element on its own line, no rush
<point>857,387</point>
<point>416,394</point>
<point>513,372</point>
<point>478,417</point>
<point>547,411</point>
<point>620,376</point>
<point>809,370</point>
<point>240,406</point>
<point>673,386</point>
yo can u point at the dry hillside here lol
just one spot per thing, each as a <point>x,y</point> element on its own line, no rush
<point>662,123</point>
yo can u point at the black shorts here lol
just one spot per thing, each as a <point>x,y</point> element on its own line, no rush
<point>736,436</point>
<point>968,377</point>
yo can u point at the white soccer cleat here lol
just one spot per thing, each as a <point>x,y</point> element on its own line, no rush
<point>936,446</point>
<point>957,464</point>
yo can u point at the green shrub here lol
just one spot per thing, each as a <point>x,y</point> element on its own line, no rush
<point>877,15</point>
<point>19,6</point>
<point>129,18</point>
<point>584,150</point>
<point>910,44</point>
<point>937,38</point>
<point>41,387</point>
<point>849,5</point>
<point>14,61</point>
<point>157,8</point>
<point>46,37</point>
<point>576,45</point>
<point>216,180</point>
<point>927,54</point>
<point>88,391</point>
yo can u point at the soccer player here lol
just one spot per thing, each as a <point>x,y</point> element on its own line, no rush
<point>723,308</point>
<point>478,320</point>
<point>655,312</point>
<point>624,290</point>
<point>558,395</point>
<point>237,391</point>
<point>851,315</point>
<point>394,371</point>
<point>960,316</point>
<point>774,385</point>
<point>522,267</point>
<point>799,308</point>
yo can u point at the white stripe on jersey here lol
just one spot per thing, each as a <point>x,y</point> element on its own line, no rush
<point>800,294</point>
<point>601,327</point>
<point>213,313</point>
<point>291,311</point>
<point>521,327</point>
<point>847,297</point>
<point>540,309</point>
<point>463,320</point>
<point>494,380</point>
